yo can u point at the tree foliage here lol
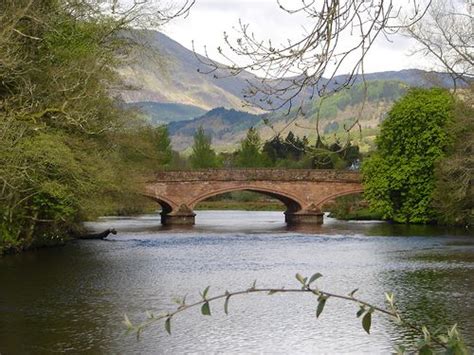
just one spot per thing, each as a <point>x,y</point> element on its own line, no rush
<point>454,194</point>
<point>65,142</point>
<point>399,178</point>
<point>282,152</point>
<point>203,156</point>
<point>249,155</point>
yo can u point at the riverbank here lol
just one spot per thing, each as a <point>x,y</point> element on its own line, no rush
<point>38,243</point>
<point>358,214</point>
<point>354,213</point>
<point>352,208</point>
<point>240,205</point>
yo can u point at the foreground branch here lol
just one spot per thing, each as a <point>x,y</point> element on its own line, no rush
<point>451,341</point>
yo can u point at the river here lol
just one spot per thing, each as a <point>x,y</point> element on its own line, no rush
<point>73,298</point>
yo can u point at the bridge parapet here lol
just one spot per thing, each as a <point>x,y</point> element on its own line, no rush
<point>304,192</point>
<point>310,175</point>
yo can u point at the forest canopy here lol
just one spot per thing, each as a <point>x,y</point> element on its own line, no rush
<point>64,139</point>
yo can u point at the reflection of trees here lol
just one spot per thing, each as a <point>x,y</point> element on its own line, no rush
<point>53,301</point>
<point>405,230</point>
<point>433,293</point>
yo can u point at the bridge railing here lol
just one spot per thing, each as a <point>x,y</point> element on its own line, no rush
<point>259,174</point>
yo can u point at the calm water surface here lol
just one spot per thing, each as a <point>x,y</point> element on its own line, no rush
<point>73,298</point>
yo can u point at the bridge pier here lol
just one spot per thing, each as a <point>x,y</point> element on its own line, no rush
<point>174,220</point>
<point>182,216</point>
<point>298,218</point>
<point>309,215</point>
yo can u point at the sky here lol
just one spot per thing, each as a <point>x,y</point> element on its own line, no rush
<point>209,19</point>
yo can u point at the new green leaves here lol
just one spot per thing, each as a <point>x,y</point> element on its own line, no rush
<point>204,293</point>
<point>304,280</point>
<point>314,278</point>
<point>168,325</point>
<point>206,309</point>
<point>127,322</point>
<point>367,322</point>
<point>353,292</point>
<point>306,285</point>
<point>226,304</point>
<point>367,318</point>
<point>301,279</point>
<point>321,303</point>
<point>360,311</point>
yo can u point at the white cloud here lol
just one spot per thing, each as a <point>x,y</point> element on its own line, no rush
<point>209,19</point>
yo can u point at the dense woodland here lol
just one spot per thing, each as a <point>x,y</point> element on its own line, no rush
<point>71,151</point>
<point>68,150</point>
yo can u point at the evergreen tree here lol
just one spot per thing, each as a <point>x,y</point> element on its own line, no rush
<point>163,145</point>
<point>249,154</point>
<point>274,149</point>
<point>203,156</point>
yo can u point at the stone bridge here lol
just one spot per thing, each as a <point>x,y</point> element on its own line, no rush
<point>303,192</point>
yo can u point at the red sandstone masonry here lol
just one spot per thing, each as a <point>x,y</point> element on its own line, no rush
<point>302,191</point>
<point>258,175</point>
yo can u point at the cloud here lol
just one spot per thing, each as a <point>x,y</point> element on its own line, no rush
<point>209,19</point>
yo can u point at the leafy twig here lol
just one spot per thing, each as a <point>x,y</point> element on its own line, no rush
<point>451,341</point>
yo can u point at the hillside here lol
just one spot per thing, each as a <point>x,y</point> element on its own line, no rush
<point>228,127</point>
<point>167,87</point>
<point>163,113</point>
<point>167,73</point>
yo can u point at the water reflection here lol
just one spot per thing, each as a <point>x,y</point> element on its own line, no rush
<point>267,222</point>
<point>73,298</point>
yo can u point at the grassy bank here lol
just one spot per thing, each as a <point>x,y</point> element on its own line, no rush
<point>240,205</point>
<point>361,214</point>
<point>352,207</point>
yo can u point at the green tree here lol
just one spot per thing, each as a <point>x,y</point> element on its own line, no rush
<point>203,156</point>
<point>399,178</point>
<point>249,155</point>
<point>144,147</point>
<point>56,117</point>
<point>162,145</point>
<point>274,149</point>
<point>64,153</point>
<point>454,193</point>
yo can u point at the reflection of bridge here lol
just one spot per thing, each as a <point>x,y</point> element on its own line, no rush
<point>302,191</point>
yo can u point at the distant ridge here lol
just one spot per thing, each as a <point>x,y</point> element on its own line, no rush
<point>226,127</point>
<point>170,89</point>
<point>163,113</point>
<point>169,74</point>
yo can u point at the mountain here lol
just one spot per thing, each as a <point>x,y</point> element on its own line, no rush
<point>167,87</point>
<point>226,127</point>
<point>167,72</point>
<point>163,113</point>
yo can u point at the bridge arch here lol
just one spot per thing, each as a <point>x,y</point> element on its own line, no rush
<point>167,206</point>
<point>292,203</point>
<point>340,194</point>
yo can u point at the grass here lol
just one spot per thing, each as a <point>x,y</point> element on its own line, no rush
<point>240,205</point>
<point>361,214</point>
